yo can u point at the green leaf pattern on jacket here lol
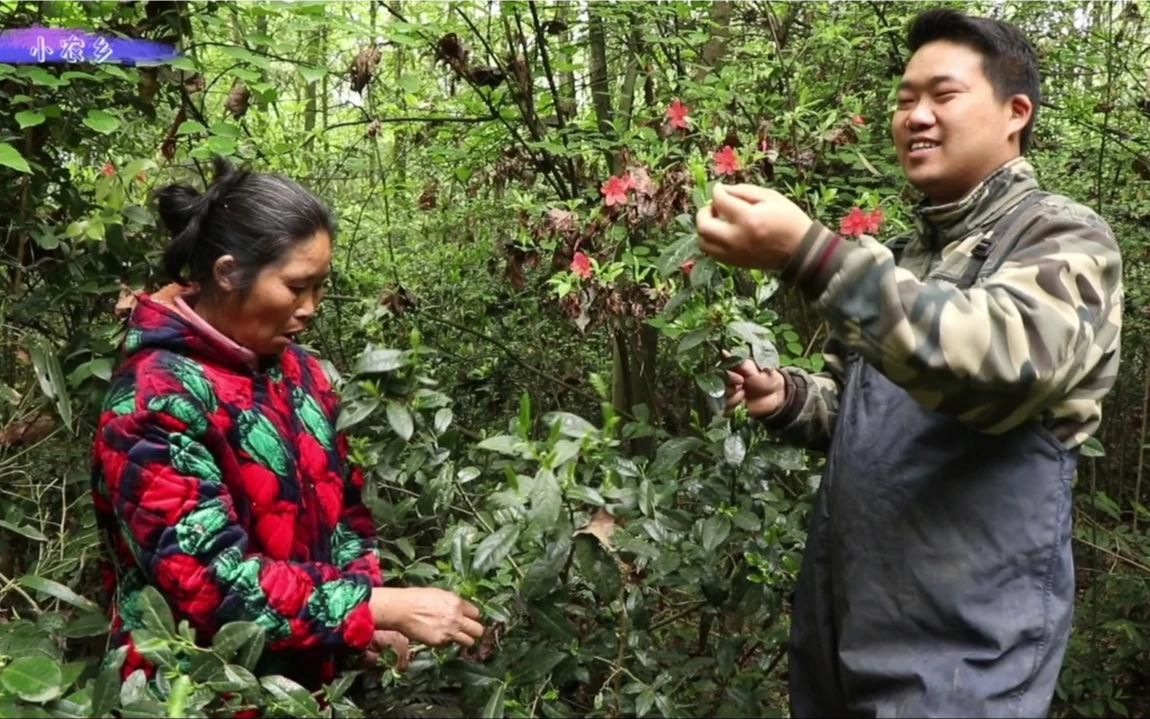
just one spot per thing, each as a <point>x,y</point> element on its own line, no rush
<point>121,399</point>
<point>244,577</point>
<point>191,376</point>
<point>346,546</point>
<point>182,409</point>
<point>259,438</point>
<point>193,459</point>
<point>200,528</point>
<point>332,601</point>
<point>314,420</point>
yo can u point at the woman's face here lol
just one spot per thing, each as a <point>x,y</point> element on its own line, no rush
<point>281,300</point>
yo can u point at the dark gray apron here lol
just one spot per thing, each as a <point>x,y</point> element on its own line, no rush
<point>937,578</point>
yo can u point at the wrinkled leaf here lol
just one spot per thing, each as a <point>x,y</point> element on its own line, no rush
<point>290,696</point>
<point>711,384</point>
<point>33,679</point>
<point>155,612</point>
<point>443,420</point>
<point>355,412</point>
<point>233,636</point>
<point>570,425</point>
<point>546,499</point>
<point>494,549</point>
<point>381,360</point>
<point>400,419</point>
<point>734,450</point>
<point>677,253</point>
<point>716,529</point>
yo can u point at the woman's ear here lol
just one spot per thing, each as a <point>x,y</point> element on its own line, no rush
<point>224,273</point>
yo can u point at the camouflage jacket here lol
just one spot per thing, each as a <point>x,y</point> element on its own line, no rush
<point>1038,338</point>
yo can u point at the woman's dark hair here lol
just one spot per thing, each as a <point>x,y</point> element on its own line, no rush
<point>255,217</point>
<point>1008,58</point>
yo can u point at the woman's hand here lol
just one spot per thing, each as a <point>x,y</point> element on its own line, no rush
<point>432,616</point>
<point>384,640</point>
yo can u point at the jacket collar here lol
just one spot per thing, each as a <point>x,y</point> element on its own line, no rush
<point>939,225</point>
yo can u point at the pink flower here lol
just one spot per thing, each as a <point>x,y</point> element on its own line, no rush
<point>108,169</point>
<point>726,161</point>
<point>687,266</point>
<point>677,114</point>
<point>858,120</point>
<point>581,265</point>
<point>615,189</point>
<point>857,222</point>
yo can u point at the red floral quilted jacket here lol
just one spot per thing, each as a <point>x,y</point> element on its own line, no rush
<point>225,485</point>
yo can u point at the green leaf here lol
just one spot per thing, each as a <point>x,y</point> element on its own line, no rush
<point>493,708</point>
<point>190,127</point>
<point>234,636</point>
<point>24,530</point>
<point>703,272</point>
<point>597,567</point>
<point>504,444</point>
<point>494,549</point>
<point>33,679</point>
<point>355,412</point>
<point>11,157</point>
<point>178,698</point>
<point>443,420</point>
<point>677,253</point>
<point>546,499</point>
<point>380,361</point>
<point>734,450</point>
<point>102,122</point>
<point>715,531</point>
<point>550,619</point>
<point>183,63</point>
<point>570,425</point>
<point>106,690</point>
<point>46,365</point>
<point>57,590</point>
<point>311,74</point>
<point>155,612</point>
<point>400,420</point>
<point>227,129</point>
<point>93,624</point>
<point>290,696</point>
<point>1092,448</point>
<point>29,118</point>
<point>711,384</point>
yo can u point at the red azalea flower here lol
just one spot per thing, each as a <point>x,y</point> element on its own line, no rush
<point>857,222</point>
<point>687,266</point>
<point>581,265</point>
<point>677,114</point>
<point>858,120</point>
<point>726,161</point>
<point>615,189</point>
<point>874,221</point>
<point>108,170</point>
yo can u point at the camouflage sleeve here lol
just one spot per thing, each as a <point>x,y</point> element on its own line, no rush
<point>994,355</point>
<point>807,417</point>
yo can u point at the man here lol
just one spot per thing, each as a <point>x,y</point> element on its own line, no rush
<point>966,366</point>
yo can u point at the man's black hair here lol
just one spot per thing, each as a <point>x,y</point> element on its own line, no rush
<point>1008,58</point>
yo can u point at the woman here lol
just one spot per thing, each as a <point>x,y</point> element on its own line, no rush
<point>218,475</point>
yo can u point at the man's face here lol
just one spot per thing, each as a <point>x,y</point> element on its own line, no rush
<point>950,131</point>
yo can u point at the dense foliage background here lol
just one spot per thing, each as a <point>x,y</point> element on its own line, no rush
<point>528,342</point>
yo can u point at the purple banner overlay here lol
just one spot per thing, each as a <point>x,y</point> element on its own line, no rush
<point>61,45</point>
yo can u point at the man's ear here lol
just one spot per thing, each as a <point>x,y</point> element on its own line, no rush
<point>1021,110</point>
<point>224,273</point>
